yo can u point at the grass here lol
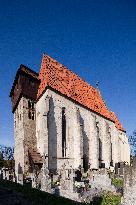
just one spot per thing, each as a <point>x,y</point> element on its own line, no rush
<point>42,198</point>
<point>108,198</point>
<point>36,196</point>
<point>118,182</point>
<point>111,199</point>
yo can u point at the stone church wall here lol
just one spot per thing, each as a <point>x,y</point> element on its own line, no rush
<point>124,148</point>
<point>82,137</point>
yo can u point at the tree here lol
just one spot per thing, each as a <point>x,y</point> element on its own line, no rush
<point>6,152</point>
<point>6,157</point>
<point>132,142</point>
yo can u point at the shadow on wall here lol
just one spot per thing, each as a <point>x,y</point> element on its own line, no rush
<point>85,145</point>
<point>20,174</point>
<point>52,142</point>
<point>20,170</point>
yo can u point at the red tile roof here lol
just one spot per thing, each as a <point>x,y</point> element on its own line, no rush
<point>117,122</point>
<point>60,78</point>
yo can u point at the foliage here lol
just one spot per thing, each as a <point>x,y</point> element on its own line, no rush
<point>1,163</point>
<point>7,164</point>
<point>36,196</point>
<point>107,198</point>
<point>1,156</point>
<point>110,199</point>
<point>132,142</point>
<point>6,153</point>
<point>6,157</point>
<point>118,182</point>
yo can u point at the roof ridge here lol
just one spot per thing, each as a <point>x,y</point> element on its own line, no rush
<point>60,78</point>
<point>117,122</point>
<point>103,99</point>
<point>24,66</point>
<point>46,55</point>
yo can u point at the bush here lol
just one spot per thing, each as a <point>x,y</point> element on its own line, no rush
<point>118,182</point>
<point>110,199</point>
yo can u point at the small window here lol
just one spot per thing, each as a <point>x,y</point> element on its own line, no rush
<point>31,110</point>
<point>29,104</point>
<point>32,115</point>
<point>32,105</point>
<point>29,114</point>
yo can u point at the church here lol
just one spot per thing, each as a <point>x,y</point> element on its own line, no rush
<point>60,121</point>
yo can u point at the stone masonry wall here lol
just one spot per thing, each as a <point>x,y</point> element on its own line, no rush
<point>25,136</point>
<point>19,140</point>
<point>129,194</point>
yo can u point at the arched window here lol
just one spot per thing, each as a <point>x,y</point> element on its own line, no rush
<point>63,133</point>
<point>85,162</point>
<point>99,144</point>
<point>111,147</point>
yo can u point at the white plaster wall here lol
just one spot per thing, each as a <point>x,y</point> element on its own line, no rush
<point>115,143</point>
<point>125,148</point>
<point>74,157</point>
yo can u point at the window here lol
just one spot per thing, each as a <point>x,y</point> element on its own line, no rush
<point>99,145</point>
<point>100,150</point>
<point>63,133</point>
<point>31,110</point>
<point>85,163</point>
<point>111,163</point>
<point>111,146</point>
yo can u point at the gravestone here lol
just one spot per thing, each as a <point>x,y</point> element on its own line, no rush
<point>101,182</point>
<point>46,180</point>
<point>67,181</point>
<point>129,193</point>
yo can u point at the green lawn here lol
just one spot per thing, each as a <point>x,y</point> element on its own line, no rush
<point>111,199</point>
<point>36,196</point>
<point>42,198</point>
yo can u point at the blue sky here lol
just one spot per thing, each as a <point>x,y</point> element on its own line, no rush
<point>94,38</point>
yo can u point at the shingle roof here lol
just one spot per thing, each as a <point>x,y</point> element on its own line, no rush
<point>28,71</point>
<point>25,70</point>
<point>60,78</point>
